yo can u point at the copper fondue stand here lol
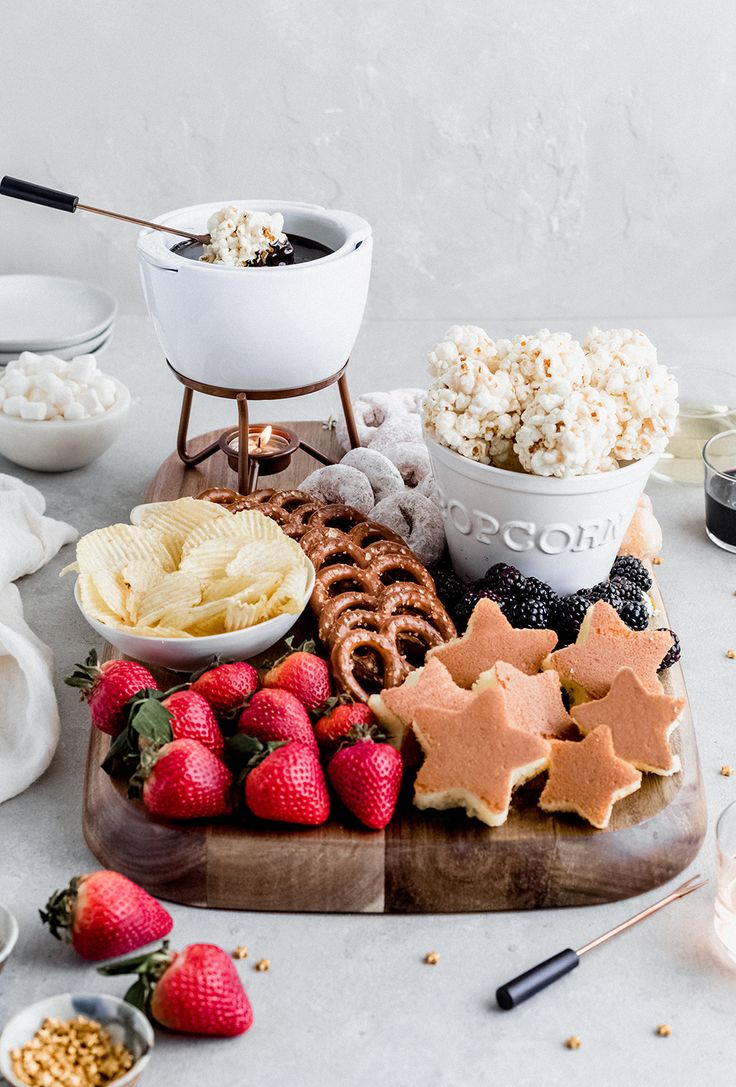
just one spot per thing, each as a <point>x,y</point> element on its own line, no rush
<point>253,459</point>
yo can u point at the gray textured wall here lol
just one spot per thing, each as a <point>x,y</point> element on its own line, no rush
<point>549,157</point>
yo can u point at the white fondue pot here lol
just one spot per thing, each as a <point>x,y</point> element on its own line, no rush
<point>259,328</point>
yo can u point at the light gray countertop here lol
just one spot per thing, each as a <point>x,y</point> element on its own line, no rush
<point>348,998</point>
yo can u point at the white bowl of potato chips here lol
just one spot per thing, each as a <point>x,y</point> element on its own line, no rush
<point>190,581</point>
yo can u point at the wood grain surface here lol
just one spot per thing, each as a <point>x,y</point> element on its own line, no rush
<point>424,862</point>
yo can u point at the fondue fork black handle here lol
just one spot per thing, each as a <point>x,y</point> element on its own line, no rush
<point>544,973</point>
<point>64,201</point>
<point>38,194</point>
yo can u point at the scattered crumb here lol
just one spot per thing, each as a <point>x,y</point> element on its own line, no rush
<point>726,771</point>
<point>657,560</point>
<point>432,958</point>
<point>731,654</point>
<point>263,964</point>
<point>330,423</point>
<point>663,1030</point>
<point>240,952</point>
<point>573,1042</point>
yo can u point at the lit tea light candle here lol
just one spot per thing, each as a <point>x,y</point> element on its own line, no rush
<point>262,442</point>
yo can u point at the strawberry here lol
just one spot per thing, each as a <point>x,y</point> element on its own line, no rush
<point>103,915</point>
<point>107,688</point>
<point>339,720</point>
<point>367,778</point>
<point>196,990</point>
<point>192,718</point>
<point>184,780</point>
<point>272,714</point>
<point>287,785</point>
<point>304,675</point>
<point>227,686</point>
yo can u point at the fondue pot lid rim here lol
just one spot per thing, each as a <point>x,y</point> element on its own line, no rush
<point>354,227</point>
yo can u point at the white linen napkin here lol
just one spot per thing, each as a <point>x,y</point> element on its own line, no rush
<point>29,715</point>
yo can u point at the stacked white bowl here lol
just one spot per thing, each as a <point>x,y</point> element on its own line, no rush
<point>52,315</point>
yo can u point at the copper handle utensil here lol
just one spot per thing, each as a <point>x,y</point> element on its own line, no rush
<point>63,201</point>
<point>544,973</point>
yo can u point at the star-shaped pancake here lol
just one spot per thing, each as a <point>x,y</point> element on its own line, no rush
<point>534,703</point>
<point>431,685</point>
<point>640,721</point>
<point>474,759</point>
<point>489,638</point>
<point>588,777</point>
<point>604,646</point>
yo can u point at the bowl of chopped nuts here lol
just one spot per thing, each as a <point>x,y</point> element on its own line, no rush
<point>81,1041</point>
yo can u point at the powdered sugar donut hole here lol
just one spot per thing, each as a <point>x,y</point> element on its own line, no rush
<point>342,484</point>
<point>417,519</point>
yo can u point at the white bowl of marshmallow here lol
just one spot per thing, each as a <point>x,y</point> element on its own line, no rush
<point>57,415</point>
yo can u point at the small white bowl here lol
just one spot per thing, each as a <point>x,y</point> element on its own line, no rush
<point>188,654</point>
<point>8,934</point>
<point>125,1023</point>
<point>59,445</point>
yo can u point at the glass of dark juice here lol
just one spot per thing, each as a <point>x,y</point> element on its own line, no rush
<point>719,454</point>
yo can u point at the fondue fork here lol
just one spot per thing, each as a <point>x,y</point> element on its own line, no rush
<point>64,201</point>
<point>544,973</point>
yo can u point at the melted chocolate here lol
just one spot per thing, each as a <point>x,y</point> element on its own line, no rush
<point>296,250</point>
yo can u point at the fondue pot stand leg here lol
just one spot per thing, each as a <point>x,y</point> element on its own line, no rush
<point>190,459</point>
<point>245,483</point>
<point>248,467</point>
<point>347,410</point>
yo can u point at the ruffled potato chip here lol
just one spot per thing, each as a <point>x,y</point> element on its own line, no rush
<point>111,548</point>
<point>191,569</point>
<point>245,525</point>
<point>211,558</point>
<point>180,517</point>
<point>178,590</point>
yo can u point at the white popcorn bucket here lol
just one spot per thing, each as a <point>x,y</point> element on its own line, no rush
<point>566,532</point>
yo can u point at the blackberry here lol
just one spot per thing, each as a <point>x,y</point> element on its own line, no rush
<point>632,569</point>
<point>606,591</point>
<point>626,589</point>
<point>502,579</point>
<point>675,652</point>
<point>449,586</point>
<point>635,615</point>
<point>528,612</point>
<point>531,588</point>
<point>465,605</point>
<point>566,616</point>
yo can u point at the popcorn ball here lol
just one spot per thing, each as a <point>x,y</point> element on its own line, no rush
<point>473,410</point>
<point>39,387</point>
<point>624,365</point>
<point>460,344</point>
<point>241,238</point>
<point>546,403</point>
<point>567,431</point>
<point>530,360</point>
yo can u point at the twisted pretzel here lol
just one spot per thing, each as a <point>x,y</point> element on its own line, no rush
<point>382,646</point>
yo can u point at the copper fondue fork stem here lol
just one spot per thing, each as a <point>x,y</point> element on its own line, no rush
<point>64,201</point>
<point>685,888</point>
<point>544,973</point>
<point>203,239</point>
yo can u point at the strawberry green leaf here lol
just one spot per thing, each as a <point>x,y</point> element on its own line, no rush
<point>123,749</point>
<point>139,994</point>
<point>214,663</point>
<point>151,720</point>
<point>249,751</point>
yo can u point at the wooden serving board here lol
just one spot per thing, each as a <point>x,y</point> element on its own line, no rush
<point>424,862</point>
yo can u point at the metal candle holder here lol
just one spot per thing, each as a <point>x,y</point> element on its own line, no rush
<point>251,463</point>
